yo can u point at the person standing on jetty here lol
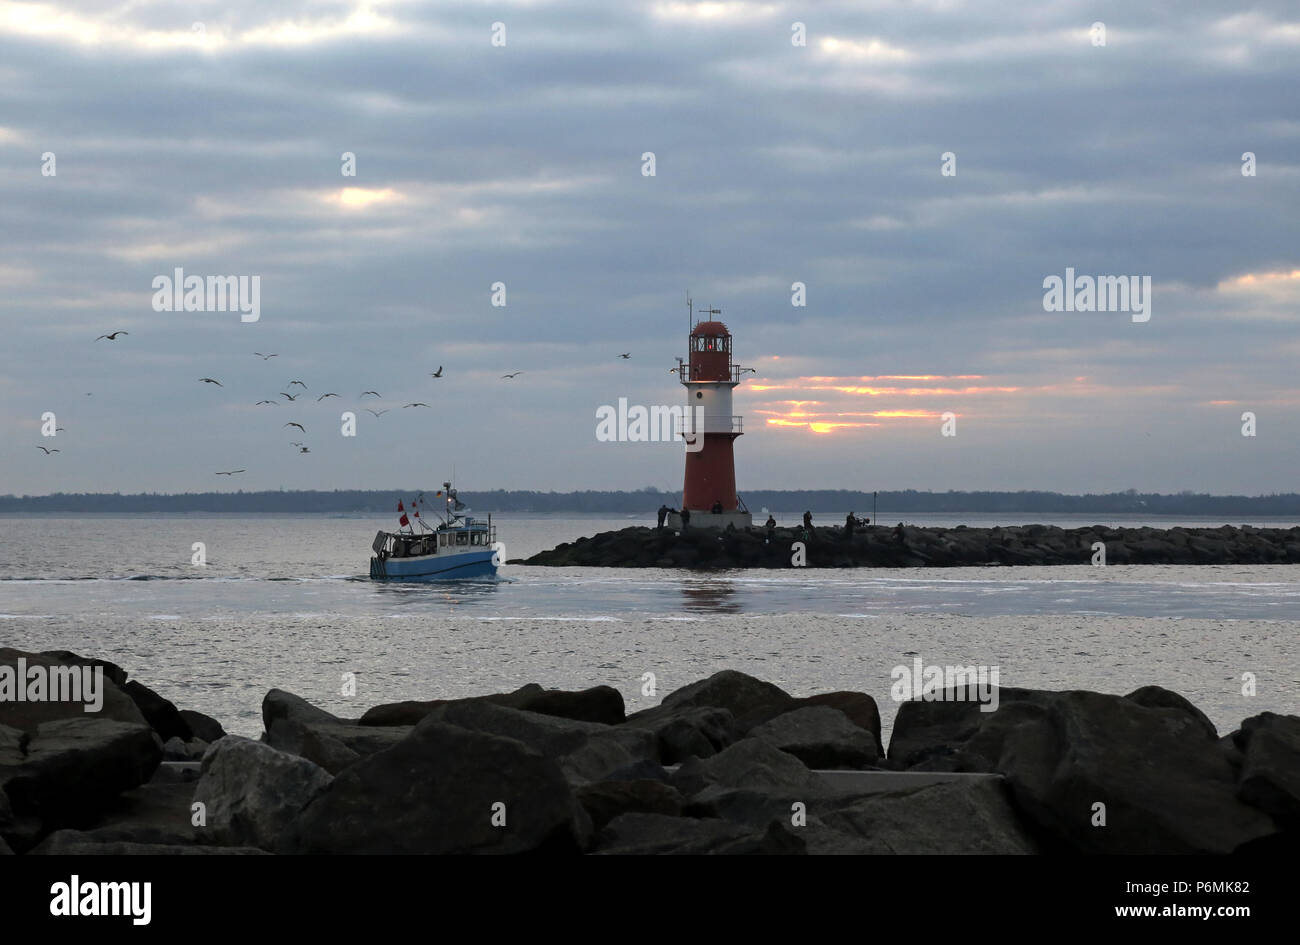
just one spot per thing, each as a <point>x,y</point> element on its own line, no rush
<point>808,525</point>
<point>770,525</point>
<point>686,517</point>
<point>663,514</point>
<point>849,523</point>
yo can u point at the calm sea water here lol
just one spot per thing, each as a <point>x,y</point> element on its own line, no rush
<point>284,601</point>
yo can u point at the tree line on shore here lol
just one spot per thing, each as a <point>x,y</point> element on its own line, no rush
<point>645,501</point>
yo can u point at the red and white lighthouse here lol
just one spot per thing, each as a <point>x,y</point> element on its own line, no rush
<point>710,428</point>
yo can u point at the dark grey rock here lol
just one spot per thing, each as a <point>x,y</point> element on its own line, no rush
<point>252,791</point>
<point>738,693</point>
<point>77,843</point>
<point>1157,697</point>
<point>1166,784</point>
<point>820,737</point>
<point>683,732</point>
<point>658,834</point>
<point>308,742</point>
<point>585,751</point>
<point>1270,771</point>
<point>434,792</point>
<point>28,716</point>
<point>972,815</point>
<point>927,734</point>
<point>750,764</point>
<point>74,767</point>
<point>605,800</point>
<point>602,704</point>
<point>202,726</point>
<point>160,713</point>
<point>858,707</point>
<point>12,742</point>
<point>279,704</point>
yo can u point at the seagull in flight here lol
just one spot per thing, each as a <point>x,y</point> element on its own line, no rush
<point>295,444</point>
<point>233,472</point>
<point>375,392</point>
<point>303,449</point>
<point>404,406</point>
<point>516,374</point>
<point>626,356</point>
<point>298,425</point>
<point>208,380</point>
<point>265,357</point>
<point>378,413</point>
<point>292,397</point>
<point>323,396</point>
<point>112,336</point>
<point>48,451</point>
<point>299,383</point>
<point>437,373</point>
<point>260,402</point>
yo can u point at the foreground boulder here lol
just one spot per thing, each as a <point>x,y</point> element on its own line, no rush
<point>1270,769</point>
<point>750,764</point>
<point>971,815</point>
<point>77,843</point>
<point>251,791</point>
<point>296,726</point>
<point>657,834</point>
<point>75,767</point>
<point>605,800</point>
<point>160,713</point>
<point>585,751</point>
<point>28,716</point>
<point>858,707</point>
<point>737,692</point>
<point>682,732</point>
<point>820,737</point>
<point>603,704</point>
<point>1149,768</point>
<point>440,790</point>
<point>201,726</point>
<point>310,743</point>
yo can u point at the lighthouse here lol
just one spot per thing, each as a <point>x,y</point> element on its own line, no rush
<point>710,429</point>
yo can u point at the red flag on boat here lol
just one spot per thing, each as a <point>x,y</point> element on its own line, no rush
<point>403,521</point>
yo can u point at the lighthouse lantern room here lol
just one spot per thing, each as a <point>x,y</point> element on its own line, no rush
<point>710,428</point>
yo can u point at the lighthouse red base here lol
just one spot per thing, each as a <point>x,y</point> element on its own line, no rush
<point>711,475</point>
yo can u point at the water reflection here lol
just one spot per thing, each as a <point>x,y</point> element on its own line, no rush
<point>713,595</point>
<point>447,593</point>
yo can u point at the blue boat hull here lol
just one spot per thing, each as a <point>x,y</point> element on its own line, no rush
<point>471,564</point>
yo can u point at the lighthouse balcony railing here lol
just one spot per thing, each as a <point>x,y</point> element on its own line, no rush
<point>695,377</point>
<point>690,424</point>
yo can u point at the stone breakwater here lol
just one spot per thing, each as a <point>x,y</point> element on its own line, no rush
<point>915,547</point>
<point>728,764</point>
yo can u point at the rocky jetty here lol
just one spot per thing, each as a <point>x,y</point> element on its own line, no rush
<point>914,547</point>
<point>727,765</point>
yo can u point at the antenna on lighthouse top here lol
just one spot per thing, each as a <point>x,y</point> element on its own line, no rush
<point>690,312</point>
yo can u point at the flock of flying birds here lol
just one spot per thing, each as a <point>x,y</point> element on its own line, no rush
<point>292,398</point>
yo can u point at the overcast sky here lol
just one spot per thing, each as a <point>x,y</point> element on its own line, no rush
<point>209,136</point>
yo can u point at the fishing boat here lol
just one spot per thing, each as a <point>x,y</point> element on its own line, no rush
<point>459,547</point>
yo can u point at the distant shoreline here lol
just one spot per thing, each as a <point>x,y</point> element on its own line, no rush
<point>889,504</point>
